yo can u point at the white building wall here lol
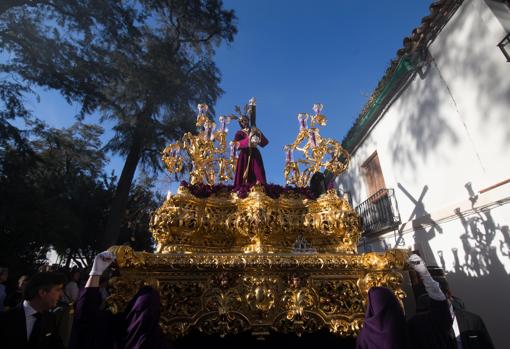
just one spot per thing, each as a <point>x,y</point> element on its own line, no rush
<point>477,74</point>
<point>448,127</point>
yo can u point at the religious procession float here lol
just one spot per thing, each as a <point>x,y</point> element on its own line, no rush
<point>253,257</point>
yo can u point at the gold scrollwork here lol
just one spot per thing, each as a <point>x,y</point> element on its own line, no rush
<point>231,293</point>
<point>389,279</point>
<point>314,148</point>
<point>340,297</point>
<point>346,326</point>
<point>204,153</point>
<point>223,324</point>
<point>258,223</point>
<point>296,300</point>
<point>261,293</point>
<point>310,322</point>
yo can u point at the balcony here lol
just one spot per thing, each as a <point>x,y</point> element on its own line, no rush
<point>379,213</point>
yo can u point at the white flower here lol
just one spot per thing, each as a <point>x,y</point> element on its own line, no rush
<point>317,108</point>
<point>203,108</point>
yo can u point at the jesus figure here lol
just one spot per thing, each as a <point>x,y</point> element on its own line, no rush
<point>250,168</point>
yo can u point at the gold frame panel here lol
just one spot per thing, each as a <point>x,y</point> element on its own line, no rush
<point>226,294</point>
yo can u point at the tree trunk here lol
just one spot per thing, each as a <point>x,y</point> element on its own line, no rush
<point>120,200</point>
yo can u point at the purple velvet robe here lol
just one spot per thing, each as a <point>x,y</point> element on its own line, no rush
<point>136,328</point>
<point>384,326</point>
<point>249,157</point>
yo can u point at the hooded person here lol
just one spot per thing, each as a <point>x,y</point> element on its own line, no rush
<point>385,325</point>
<point>135,328</point>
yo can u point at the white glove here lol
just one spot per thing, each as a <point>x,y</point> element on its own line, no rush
<point>101,262</point>
<point>431,285</point>
<point>417,264</point>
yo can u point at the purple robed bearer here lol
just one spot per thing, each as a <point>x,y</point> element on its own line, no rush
<point>384,325</point>
<point>136,328</point>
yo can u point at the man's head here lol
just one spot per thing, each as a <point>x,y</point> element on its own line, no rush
<point>244,122</point>
<point>44,290</point>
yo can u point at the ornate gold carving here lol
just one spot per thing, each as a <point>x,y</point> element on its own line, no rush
<point>125,255</point>
<point>391,280</point>
<point>346,326</point>
<point>223,324</point>
<point>231,293</point>
<point>226,223</point>
<point>204,153</point>
<point>308,323</point>
<point>123,289</point>
<point>261,292</point>
<point>227,264</point>
<point>339,296</point>
<point>297,299</point>
<point>314,148</point>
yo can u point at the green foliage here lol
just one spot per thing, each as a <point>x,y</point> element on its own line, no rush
<point>12,108</point>
<point>141,63</point>
<point>144,64</point>
<point>57,195</point>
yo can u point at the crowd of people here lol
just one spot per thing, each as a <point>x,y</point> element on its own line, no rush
<point>49,311</point>
<point>39,311</point>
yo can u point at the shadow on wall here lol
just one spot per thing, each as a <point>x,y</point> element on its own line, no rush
<point>424,227</point>
<point>423,125</point>
<point>480,278</point>
<point>478,238</point>
<point>482,66</point>
<point>427,106</point>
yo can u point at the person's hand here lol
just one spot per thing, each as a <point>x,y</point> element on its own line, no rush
<point>431,285</point>
<point>255,140</point>
<point>417,264</point>
<point>101,262</point>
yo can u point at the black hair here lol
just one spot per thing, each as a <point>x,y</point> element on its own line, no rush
<point>44,281</point>
<point>317,184</point>
<point>241,118</point>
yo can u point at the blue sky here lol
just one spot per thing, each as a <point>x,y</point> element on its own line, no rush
<point>289,55</point>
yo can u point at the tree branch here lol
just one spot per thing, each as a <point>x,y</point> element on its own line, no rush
<point>206,39</point>
<point>7,5</point>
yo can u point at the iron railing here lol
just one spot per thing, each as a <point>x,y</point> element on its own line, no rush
<point>379,213</point>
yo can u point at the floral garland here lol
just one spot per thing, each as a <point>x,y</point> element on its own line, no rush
<point>272,190</point>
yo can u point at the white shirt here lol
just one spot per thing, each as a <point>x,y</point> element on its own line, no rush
<point>455,327</point>
<point>29,317</point>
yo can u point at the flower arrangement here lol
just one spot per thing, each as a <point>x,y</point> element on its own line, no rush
<point>274,191</point>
